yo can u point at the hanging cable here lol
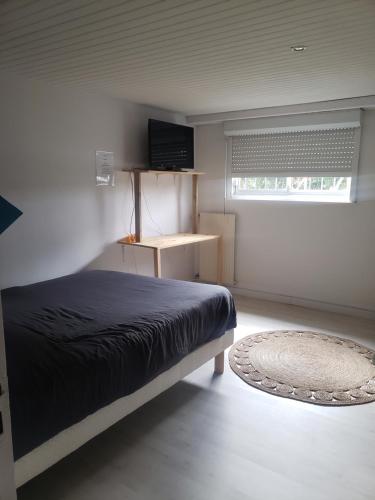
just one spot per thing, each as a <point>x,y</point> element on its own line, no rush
<point>156,225</point>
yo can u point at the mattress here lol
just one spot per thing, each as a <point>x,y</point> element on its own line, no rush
<point>76,344</point>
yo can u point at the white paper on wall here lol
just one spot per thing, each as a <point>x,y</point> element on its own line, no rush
<point>105,175</point>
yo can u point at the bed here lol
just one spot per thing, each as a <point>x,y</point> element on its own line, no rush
<point>85,350</point>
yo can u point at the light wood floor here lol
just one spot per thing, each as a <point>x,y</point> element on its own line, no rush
<point>214,437</point>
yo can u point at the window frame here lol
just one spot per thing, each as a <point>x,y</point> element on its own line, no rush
<point>299,196</point>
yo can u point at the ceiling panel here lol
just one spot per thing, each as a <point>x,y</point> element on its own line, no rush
<point>196,56</point>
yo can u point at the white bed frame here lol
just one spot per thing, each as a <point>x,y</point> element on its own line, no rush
<point>70,439</point>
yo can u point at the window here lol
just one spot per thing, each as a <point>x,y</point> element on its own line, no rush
<point>302,165</point>
<point>292,188</point>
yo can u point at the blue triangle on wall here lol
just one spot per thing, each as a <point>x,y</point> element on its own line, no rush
<point>8,214</point>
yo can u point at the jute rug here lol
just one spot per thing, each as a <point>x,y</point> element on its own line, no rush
<point>307,366</point>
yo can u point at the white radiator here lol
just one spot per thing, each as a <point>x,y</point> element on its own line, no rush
<point>223,224</point>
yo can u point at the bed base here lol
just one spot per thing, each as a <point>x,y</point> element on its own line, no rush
<point>72,438</point>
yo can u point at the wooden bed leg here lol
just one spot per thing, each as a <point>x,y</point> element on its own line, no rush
<point>219,363</point>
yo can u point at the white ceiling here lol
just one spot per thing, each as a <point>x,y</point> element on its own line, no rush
<point>195,56</point>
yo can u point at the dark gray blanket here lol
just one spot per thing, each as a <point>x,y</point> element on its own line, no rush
<point>77,343</point>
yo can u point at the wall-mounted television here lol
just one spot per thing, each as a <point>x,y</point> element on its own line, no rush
<point>170,146</point>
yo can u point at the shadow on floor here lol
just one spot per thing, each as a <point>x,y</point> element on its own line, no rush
<point>60,480</point>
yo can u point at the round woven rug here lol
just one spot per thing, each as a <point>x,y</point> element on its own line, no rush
<point>307,366</point>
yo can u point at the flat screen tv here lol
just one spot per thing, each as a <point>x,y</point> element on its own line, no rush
<point>170,146</point>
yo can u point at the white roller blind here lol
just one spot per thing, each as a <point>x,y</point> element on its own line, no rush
<point>297,153</point>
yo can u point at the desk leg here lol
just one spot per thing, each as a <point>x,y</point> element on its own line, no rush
<point>157,263</point>
<point>219,275</point>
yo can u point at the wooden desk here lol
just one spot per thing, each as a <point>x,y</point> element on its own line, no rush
<point>158,243</point>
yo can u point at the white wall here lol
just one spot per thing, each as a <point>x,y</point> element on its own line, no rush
<point>318,252</point>
<point>47,149</point>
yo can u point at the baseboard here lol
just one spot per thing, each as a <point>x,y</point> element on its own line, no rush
<point>303,302</point>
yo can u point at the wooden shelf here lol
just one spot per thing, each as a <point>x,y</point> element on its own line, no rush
<point>171,240</point>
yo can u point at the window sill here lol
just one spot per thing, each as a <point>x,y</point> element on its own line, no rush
<point>292,199</point>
